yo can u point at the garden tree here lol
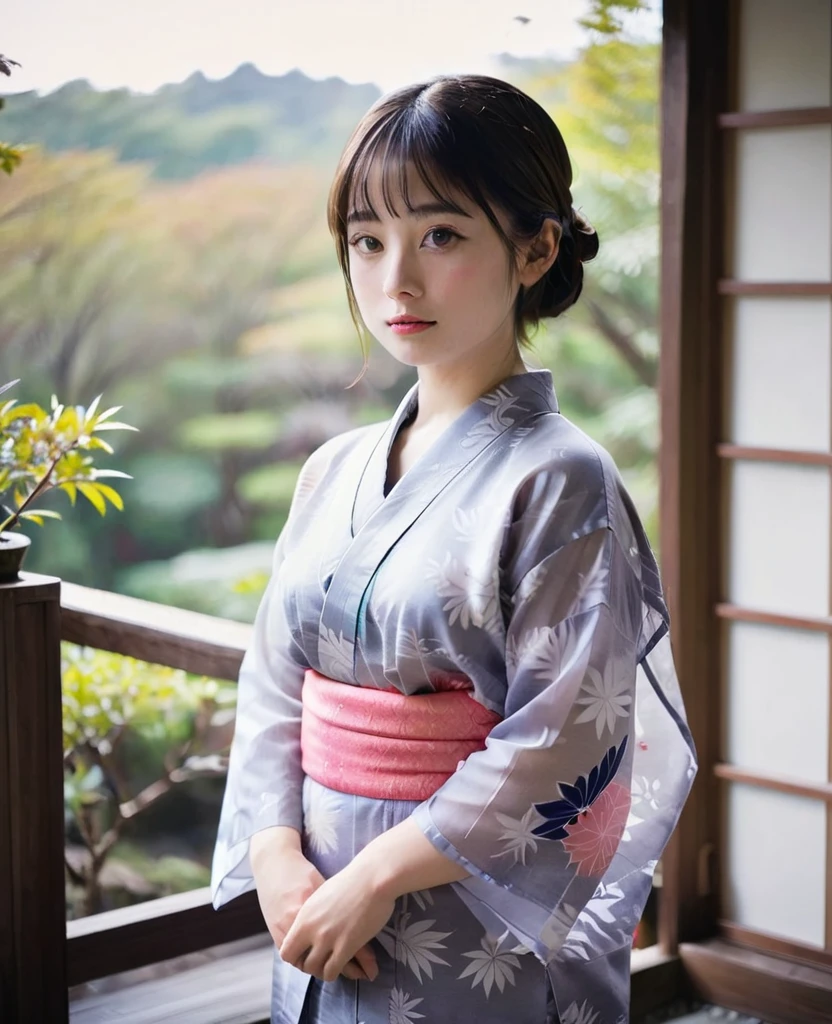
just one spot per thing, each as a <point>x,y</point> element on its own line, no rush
<point>252,270</point>
<point>606,105</point>
<point>79,264</point>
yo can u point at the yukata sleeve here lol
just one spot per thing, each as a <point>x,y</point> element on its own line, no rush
<point>537,817</point>
<point>265,779</point>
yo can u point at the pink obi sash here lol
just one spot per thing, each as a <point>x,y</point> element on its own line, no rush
<point>384,744</point>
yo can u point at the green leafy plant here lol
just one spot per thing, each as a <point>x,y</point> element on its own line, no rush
<point>132,732</point>
<point>41,451</point>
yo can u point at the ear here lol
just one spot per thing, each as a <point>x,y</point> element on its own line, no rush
<point>541,253</point>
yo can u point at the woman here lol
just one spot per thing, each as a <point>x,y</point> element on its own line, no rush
<point>460,744</point>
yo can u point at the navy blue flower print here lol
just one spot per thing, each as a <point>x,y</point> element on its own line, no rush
<point>579,797</point>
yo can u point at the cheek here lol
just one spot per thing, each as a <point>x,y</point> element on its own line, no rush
<point>481,282</point>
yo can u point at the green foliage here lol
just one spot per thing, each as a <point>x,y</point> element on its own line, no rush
<point>247,430</point>
<point>270,485</point>
<point>605,16</point>
<point>42,450</point>
<point>113,709</point>
<point>10,157</point>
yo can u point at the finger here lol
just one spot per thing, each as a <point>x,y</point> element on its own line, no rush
<point>335,963</point>
<point>314,962</point>
<point>294,946</point>
<point>366,960</point>
<point>352,971</point>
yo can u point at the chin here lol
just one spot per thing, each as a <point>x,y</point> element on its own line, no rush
<point>410,352</point>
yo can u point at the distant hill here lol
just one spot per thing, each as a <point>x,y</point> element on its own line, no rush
<point>184,128</point>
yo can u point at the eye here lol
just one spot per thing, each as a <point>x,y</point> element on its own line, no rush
<point>444,231</point>
<point>372,249</point>
<point>361,238</point>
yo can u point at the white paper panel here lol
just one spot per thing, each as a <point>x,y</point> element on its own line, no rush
<point>784,54</point>
<point>781,374</point>
<point>778,537</point>
<point>781,205</point>
<point>775,866</point>
<point>764,732</point>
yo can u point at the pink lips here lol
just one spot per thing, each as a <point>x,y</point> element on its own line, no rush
<point>410,326</point>
<point>407,324</point>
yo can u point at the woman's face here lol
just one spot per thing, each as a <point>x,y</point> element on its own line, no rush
<point>449,269</point>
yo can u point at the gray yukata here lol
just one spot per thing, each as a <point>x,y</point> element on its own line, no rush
<point>509,558</point>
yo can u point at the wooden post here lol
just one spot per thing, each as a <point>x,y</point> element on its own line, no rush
<point>33,983</point>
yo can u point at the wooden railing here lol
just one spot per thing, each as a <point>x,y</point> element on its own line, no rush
<point>40,953</point>
<point>119,940</point>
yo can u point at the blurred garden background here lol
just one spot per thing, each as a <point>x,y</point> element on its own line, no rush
<point>169,249</point>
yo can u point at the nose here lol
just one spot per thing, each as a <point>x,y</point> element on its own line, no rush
<point>401,274</point>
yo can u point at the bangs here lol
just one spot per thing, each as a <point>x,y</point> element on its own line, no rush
<point>401,141</point>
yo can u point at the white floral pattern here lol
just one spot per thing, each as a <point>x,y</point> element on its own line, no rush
<point>472,601</point>
<point>598,924</point>
<point>502,404</point>
<point>490,967</point>
<point>517,835</point>
<point>583,1014</point>
<point>550,649</point>
<point>413,944</point>
<point>607,698</point>
<point>336,654</point>
<point>320,820</point>
<point>402,1007</point>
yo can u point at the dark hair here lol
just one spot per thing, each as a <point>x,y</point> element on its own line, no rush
<point>493,143</point>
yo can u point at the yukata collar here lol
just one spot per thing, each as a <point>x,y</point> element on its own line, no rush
<point>378,522</point>
<point>483,420</point>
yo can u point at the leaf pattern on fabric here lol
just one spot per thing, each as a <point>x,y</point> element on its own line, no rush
<point>468,523</point>
<point>423,898</point>
<point>645,791</point>
<point>579,797</point>
<point>402,1007</point>
<point>549,649</point>
<point>336,654</point>
<point>505,409</point>
<point>413,945</point>
<point>472,602</point>
<point>606,698</point>
<point>597,925</point>
<point>412,647</point>
<point>583,1014</point>
<point>490,967</point>
<point>517,836</point>
<point>320,820</point>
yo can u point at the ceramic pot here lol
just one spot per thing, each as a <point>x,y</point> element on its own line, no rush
<point>13,548</point>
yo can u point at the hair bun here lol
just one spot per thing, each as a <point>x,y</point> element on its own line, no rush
<point>585,237</point>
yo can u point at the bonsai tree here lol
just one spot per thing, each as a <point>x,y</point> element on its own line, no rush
<point>41,451</point>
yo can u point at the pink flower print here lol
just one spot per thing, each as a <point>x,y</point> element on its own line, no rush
<point>593,838</point>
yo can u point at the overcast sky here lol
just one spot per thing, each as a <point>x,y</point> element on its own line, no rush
<point>146,44</point>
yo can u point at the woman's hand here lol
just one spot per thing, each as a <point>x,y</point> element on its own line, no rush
<point>285,880</point>
<point>335,922</point>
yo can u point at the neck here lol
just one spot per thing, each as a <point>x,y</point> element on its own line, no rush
<point>446,390</point>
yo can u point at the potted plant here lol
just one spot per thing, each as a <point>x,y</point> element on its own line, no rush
<point>41,451</point>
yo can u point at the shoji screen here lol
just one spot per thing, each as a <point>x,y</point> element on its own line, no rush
<point>776,461</point>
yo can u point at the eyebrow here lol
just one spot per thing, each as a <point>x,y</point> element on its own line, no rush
<point>425,210</point>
